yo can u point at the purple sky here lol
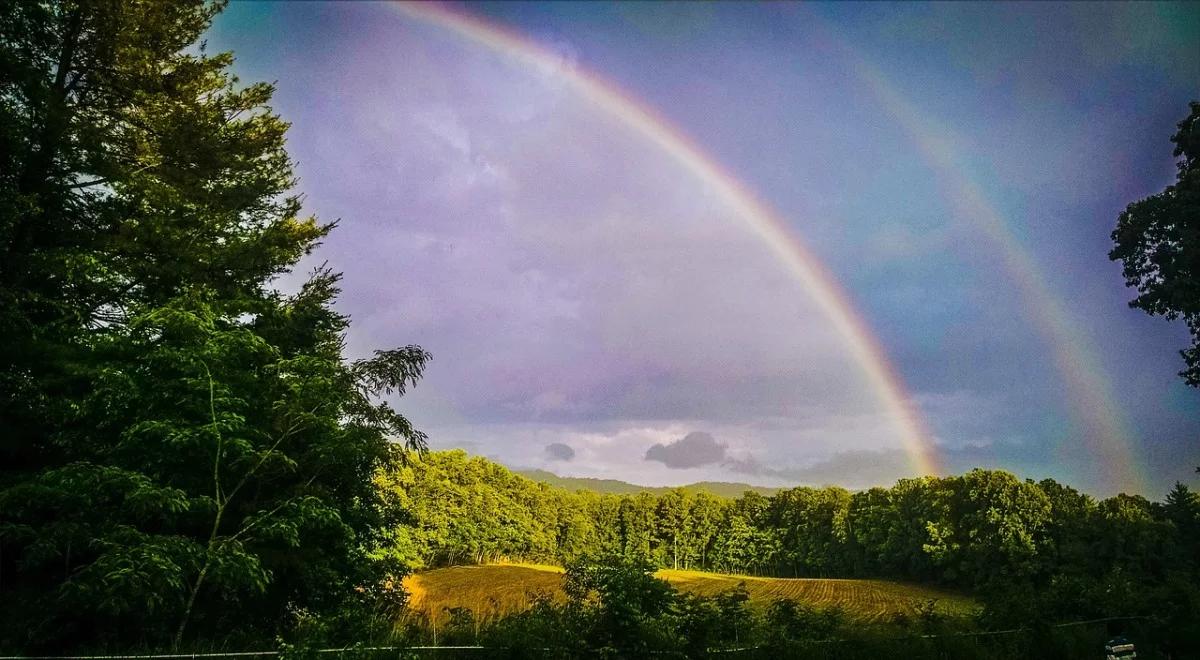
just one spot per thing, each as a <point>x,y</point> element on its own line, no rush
<point>593,309</point>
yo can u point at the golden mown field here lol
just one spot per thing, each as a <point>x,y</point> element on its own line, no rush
<point>496,590</point>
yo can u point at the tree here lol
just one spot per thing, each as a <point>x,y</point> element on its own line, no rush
<point>638,526</point>
<point>1158,242</point>
<point>675,525</point>
<point>706,514</point>
<point>811,525</point>
<point>1071,534</point>
<point>1002,525</point>
<point>1182,508</point>
<point>627,599</point>
<point>870,527</point>
<point>185,452</point>
<point>735,548</point>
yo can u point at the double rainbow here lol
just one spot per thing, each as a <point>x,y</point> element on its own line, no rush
<point>1108,434</point>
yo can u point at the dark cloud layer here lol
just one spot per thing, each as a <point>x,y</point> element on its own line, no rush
<point>558,451</point>
<point>695,449</point>
<point>579,287</point>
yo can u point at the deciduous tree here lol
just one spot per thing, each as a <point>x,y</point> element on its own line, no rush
<point>1158,242</point>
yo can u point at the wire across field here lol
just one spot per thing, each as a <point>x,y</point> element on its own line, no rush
<point>497,590</point>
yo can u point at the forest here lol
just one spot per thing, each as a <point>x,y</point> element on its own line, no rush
<point>983,530</point>
<point>190,462</point>
<point>1032,551</point>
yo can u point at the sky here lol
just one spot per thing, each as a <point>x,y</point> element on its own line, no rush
<point>598,306</point>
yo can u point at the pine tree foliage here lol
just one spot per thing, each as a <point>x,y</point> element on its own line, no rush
<point>185,450</point>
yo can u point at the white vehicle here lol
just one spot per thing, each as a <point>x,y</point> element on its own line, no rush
<point>1119,648</point>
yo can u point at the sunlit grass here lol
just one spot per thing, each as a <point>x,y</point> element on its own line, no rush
<point>497,590</point>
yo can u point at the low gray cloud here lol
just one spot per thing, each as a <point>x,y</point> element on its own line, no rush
<point>851,469</point>
<point>692,450</point>
<point>557,451</point>
<point>747,464</point>
<point>857,469</point>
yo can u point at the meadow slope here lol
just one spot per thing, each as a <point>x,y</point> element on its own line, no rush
<point>496,590</point>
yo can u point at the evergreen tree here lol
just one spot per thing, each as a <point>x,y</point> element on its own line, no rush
<point>185,451</point>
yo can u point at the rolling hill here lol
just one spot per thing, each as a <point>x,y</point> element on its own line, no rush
<point>617,487</point>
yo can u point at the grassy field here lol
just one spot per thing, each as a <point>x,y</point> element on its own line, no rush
<point>496,590</point>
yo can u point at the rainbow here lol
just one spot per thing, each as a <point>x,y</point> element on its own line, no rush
<point>1105,431</point>
<point>757,216</point>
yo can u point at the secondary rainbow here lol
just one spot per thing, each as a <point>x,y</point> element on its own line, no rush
<point>767,225</point>
<point>1102,427</point>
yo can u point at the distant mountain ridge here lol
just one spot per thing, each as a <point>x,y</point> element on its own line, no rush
<point>618,487</point>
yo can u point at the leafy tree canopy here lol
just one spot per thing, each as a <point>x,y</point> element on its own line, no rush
<point>1158,242</point>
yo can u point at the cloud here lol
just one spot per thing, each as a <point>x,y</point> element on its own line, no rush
<point>747,464</point>
<point>557,451</point>
<point>850,469</point>
<point>861,468</point>
<point>577,285</point>
<point>572,274</point>
<point>692,450</point>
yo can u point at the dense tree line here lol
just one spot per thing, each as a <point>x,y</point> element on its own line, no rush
<point>1029,546</point>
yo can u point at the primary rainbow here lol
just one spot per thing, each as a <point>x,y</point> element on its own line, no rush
<point>767,225</point>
